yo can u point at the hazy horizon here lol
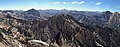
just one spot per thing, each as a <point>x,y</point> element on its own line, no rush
<point>80,5</point>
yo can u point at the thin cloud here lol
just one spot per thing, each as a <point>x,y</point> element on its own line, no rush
<point>98,3</point>
<point>65,2</point>
<point>56,2</point>
<point>74,2</point>
<point>91,2</point>
<point>82,2</point>
<point>49,3</point>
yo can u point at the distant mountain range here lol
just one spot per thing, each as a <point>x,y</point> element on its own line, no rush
<point>107,18</point>
<point>59,28</point>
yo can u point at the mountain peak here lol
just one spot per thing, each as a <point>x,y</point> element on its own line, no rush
<point>116,13</point>
<point>33,12</point>
<point>107,12</point>
<point>32,9</point>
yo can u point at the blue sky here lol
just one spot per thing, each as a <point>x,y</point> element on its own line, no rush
<point>81,5</point>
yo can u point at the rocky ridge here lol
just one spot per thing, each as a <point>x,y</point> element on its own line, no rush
<point>57,31</point>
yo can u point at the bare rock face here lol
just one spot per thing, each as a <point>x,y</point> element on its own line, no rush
<point>114,21</point>
<point>58,31</point>
<point>106,15</point>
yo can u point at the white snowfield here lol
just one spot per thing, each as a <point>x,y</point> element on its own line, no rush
<point>38,41</point>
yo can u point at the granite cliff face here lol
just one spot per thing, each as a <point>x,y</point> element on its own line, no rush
<point>114,21</point>
<point>57,31</point>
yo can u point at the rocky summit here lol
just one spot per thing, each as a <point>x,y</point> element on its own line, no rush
<point>60,30</point>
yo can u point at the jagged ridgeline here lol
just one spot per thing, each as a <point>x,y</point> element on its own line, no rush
<point>60,30</point>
